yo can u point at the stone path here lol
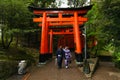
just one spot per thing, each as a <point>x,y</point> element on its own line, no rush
<point>49,71</point>
<point>105,71</point>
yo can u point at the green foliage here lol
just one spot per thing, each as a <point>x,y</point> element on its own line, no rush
<point>111,11</point>
<point>7,68</point>
<point>44,3</point>
<point>76,3</point>
<point>116,57</point>
<point>104,24</point>
<point>16,20</point>
<point>9,59</point>
<point>110,48</point>
<point>19,54</point>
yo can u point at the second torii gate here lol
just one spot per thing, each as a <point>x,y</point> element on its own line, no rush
<point>50,18</point>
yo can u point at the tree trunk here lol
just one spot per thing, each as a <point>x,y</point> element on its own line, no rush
<point>17,40</point>
<point>9,42</point>
<point>2,37</point>
<point>5,39</point>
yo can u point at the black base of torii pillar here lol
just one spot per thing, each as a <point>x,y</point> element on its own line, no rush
<point>44,57</point>
<point>79,58</point>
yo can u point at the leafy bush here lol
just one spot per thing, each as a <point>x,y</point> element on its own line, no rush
<point>7,68</point>
<point>110,48</point>
<point>9,60</point>
<point>116,57</point>
<point>18,54</point>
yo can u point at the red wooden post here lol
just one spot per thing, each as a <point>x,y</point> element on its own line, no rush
<point>51,43</point>
<point>46,41</point>
<point>42,55</point>
<point>77,39</point>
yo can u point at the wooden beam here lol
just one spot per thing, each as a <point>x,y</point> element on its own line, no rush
<point>71,19</point>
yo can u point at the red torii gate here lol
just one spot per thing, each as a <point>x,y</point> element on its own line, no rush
<point>49,17</point>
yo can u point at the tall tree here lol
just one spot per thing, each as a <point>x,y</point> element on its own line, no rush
<point>16,19</point>
<point>76,3</point>
<point>104,22</point>
<point>111,10</point>
<point>43,3</point>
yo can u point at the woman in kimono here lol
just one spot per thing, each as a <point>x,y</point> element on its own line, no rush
<point>67,56</point>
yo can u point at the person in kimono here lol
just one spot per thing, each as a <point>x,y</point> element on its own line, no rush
<point>67,56</point>
<point>59,56</point>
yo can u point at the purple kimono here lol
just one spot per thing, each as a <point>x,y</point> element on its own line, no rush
<point>67,57</point>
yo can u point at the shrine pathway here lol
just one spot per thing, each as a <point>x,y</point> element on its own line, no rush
<point>49,71</point>
<point>105,71</point>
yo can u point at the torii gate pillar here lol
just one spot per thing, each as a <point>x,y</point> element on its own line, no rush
<point>77,39</point>
<point>42,57</point>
